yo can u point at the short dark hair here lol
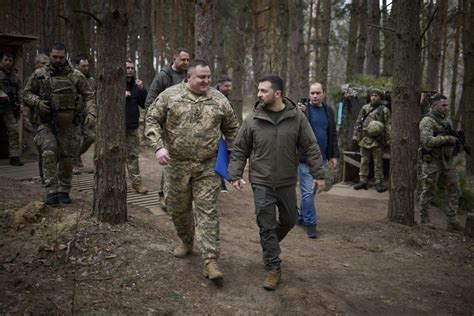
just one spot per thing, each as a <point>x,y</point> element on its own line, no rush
<point>130,61</point>
<point>223,79</point>
<point>58,46</point>
<point>179,50</point>
<point>9,55</point>
<point>80,57</point>
<point>276,82</point>
<point>197,62</point>
<point>436,97</point>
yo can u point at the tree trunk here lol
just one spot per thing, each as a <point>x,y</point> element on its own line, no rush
<point>373,39</point>
<point>298,84</point>
<point>362,38</point>
<point>388,39</point>
<point>133,28</point>
<point>454,81</point>
<point>77,42</point>
<point>444,16</point>
<point>218,30</point>
<point>405,113</point>
<point>202,30</point>
<point>435,40</point>
<point>283,27</point>
<point>316,43</point>
<point>352,43</point>
<point>146,63</point>
<point>467,96</point>
<point>260,22</point>
<point>322,66</point>
<point>110,185</point>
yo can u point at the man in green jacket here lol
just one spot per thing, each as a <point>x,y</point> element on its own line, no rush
<point>269,138</point>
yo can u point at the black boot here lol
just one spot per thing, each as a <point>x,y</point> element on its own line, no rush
<point>51,199</point>
<point>64,198</point>
<point>380,187</point>
<point>15,161</point>
<point>361,185</point>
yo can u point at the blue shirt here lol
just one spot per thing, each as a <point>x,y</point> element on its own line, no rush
<point>320,124</point>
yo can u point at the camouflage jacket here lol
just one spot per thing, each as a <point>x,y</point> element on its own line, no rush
<point>190,126</point>
<point>381,114</point>
<point>9,84</point>
<point>437,147</point>
<point>272,147</point>
<point>42,82</point>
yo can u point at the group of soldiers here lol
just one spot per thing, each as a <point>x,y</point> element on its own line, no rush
<point>186,119</point>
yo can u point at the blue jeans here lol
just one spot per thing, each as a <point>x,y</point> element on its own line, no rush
<point>308,215</point>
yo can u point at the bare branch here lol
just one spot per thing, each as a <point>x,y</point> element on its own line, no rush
<point>383,28</point>
<point>89,14</point>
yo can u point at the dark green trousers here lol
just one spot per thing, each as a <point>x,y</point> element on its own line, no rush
<point>276,215</point>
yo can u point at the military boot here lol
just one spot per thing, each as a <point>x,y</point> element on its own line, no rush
<point>140,188</point>
<point>454,227</point>
<point>16,161</point>
<point>272,279</point>
<point>52,199</point>
<point>380,187</point>
<point>361,185</point>
<point>64,197</point>
<point>182,250</point>
<point>161,198</point>
<point>211,270</point>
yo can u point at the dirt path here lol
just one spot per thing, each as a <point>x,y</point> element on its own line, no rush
<point>361,264</point>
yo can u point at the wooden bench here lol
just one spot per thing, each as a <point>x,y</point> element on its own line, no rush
<point>351,165</point>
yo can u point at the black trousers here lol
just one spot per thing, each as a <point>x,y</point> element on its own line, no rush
<point>276,215</point>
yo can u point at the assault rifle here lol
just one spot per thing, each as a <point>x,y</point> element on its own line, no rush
<point>460,137</point>
<point>51,118</point>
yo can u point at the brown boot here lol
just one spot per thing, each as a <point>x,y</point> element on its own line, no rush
<point>140,188</point>
<point>211,270</point>
<point>272,279</point>
<point>182,250</point>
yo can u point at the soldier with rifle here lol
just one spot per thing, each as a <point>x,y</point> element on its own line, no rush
<point>439,145</point>
<point>9,106</point>
<point>53,90</point>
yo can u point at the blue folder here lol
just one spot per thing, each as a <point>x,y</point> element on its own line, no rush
<point>222,162</point>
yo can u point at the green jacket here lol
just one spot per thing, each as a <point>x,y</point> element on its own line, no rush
<point>272,148</point>
<point>367,114</point>
<point>194,124</point>
<point>440,147</point>
<point>166,78</point>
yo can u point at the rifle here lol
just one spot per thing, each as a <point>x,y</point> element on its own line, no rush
<point>51,118</point>
<point>460,137</point>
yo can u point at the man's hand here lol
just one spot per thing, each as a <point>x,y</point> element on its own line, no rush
<point>333,162</point>
<point>163,156</point>
<point>128,94</point>
<point>238,184</point>
<point>44,107</point>
<point>89,121</point>
<point>318,185</point>
<point>139,83</point>
<point>301,106</point>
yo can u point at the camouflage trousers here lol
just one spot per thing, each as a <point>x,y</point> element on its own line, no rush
<point>133,151</point>
<point>12,131</point>
<point>195,183</point>
<point>431,172</point>
<point>376,153</point>
<point>57,155</point>
<point>87,137</point>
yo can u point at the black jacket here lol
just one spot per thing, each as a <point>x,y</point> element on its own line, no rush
<point>332,150</point>
<point>137,98</point>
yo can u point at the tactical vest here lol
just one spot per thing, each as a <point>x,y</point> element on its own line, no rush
<point>374,115</point>
<point>10,87</point>
<point>62,91</point>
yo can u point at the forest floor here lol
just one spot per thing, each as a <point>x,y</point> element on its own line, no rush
<point>62,261</point>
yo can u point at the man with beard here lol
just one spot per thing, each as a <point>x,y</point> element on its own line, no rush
<point>53,91</point>
<point>9,109</point>
<point>135,96</point>
<point>196,118</point>
<point>87,135</point>
<point>269,137</point>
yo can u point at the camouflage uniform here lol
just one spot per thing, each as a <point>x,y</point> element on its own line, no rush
<point>87,134</point>
<point>9,85</point>
<point>437,161</point>
<point>58,134</point>
<point>133,152</point>
<point>194,125</point>
<point>372,145</point>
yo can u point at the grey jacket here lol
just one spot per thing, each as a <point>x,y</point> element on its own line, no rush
<point>166,78</point>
